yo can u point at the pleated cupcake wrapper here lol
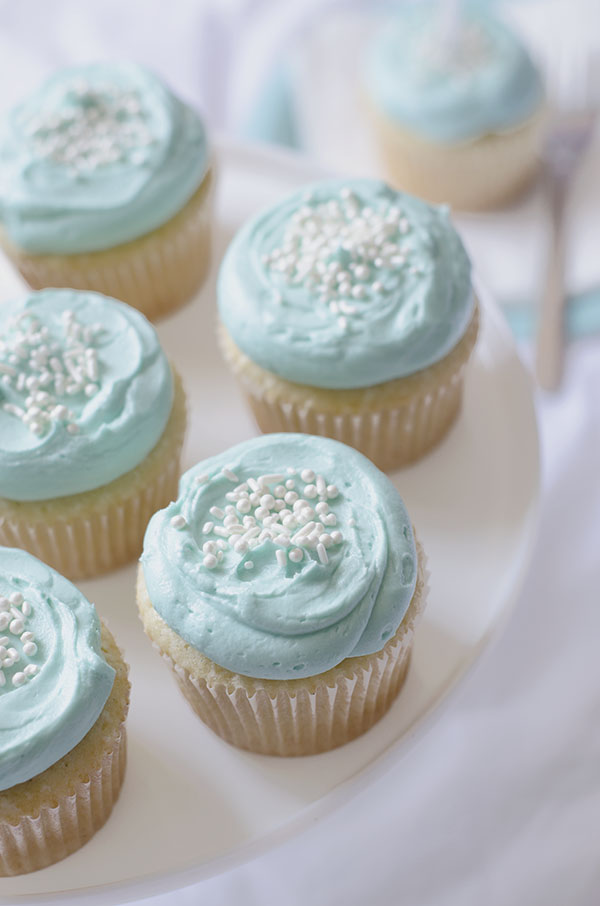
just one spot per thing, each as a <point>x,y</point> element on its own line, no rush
<point>391,429</point>
<point>475,175</point>
<point>97,540</point>
<point>156,274</point>
<point>61,829</point>
<point>318,714</point>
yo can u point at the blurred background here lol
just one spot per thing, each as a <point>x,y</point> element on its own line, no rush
<point>501,802</point>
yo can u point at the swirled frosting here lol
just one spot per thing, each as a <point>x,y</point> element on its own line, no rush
<point>85,393</point>
<point>97,156</point>
<point>54,680</point>
<point>282,556</point>
<point>451,87</point>
<point>346,284</point>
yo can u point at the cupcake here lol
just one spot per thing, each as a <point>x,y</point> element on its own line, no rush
<point>91,427</point>
<point>283,587</point>
<point>347,311</point>
<point>457,106</point>
<point>64,696</point>
<point>106,184</point>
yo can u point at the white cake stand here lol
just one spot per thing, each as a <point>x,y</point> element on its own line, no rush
<point>191,806</point>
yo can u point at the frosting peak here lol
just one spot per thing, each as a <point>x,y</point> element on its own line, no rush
<point>99,155</point>
<point>345,284</point>
<point>282,557</point>
<point>54,680</point>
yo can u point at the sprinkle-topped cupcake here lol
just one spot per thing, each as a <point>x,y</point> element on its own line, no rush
<point>457,103</point>
<point>345,304</point>
<point>63,701</point>
<point>105,184</point>
<point>87,399</point>
<point>286,565</point>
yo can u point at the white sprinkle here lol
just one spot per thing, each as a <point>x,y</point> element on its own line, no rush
<point>29,648</point>
<point>178,522</point>
<point>4,604</point>
<point>31,669</point>
<point>332,491</point>
<point>336,537</point>
<point>240,546</point>
<point>17,627</point>
<point>217,511</point>
<point>322,553</point>
<point>73,428</point>
<point>221,531</point>
<point>210,561</point>
<point>268,479</point>
<point>325,539</point>
<point>27,636</point>
<point>4,621</point>
<point>202,479</point>
<point>296,554</point>
<point>248,564</point>
<point>243,505</point>
<point>267,501</point>
<point>16,598</point>
<point>231,476</point>
<point>352,522</point>
<point>307,475</point>
<point>207,528</point>
<point>290,484</point>
<point>18,679</point>
<point>310,491</point>
<point>281,557</point>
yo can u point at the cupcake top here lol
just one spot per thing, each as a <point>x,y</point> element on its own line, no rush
<point>85,393</point>
<point>282,556</point>
<point>54,680</point>
<point>346,284</point>
<point>97,156</point>
<point>447,83</point>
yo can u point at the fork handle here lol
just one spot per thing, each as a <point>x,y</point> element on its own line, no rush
<point>550,338</point>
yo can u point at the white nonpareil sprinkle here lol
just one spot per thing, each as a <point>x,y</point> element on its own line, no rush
<point>91,126</point>
<point>178,521</point>
<point>18,644</point>
<point>51,373</point>
<point>344,252</point>
<point>263,509</point>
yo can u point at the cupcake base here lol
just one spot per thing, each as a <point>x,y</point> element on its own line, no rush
<point>289,717</point>
<point>393,424</point>
<point>156,273</point>
<point>477,175</point>
<point>87,534</point>
<point>55,813</point>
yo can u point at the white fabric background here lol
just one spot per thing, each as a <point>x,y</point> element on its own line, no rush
<point>500,802</point>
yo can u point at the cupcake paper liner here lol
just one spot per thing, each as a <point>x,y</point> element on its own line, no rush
<point>44,819</point>
<point>475,175</point>
<point>90,533</point>
<point>156,273</point>
<point>63,827</point>
<point>297,717</point>
<point>393,424</point>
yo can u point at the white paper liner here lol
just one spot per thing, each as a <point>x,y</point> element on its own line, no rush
<point>392,429</point>
<point>60,829</point>
<point>157,273</point>
<point>305,717</point>
<point>475,175</point>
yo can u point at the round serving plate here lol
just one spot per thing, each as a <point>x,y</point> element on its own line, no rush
<point>191,805</point>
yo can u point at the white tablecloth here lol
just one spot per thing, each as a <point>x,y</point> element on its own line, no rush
<point>500,802</point>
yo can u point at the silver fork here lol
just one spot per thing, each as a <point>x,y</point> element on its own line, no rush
<point>575,90</point>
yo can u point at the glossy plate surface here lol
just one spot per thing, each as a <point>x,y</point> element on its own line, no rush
<point>191,806</point>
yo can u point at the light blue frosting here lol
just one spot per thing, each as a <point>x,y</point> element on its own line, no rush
<point>451,90</point>
<point>50,712</point>
<point>69,184</point>
<point>297,620</point>
<point>116,427</point>
<point>417,314</point>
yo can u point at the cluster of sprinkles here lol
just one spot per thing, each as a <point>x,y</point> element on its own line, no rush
<point>42,376</point>
<point>291,510</point>
<point>93,126</point>
<point>344,252</point>
<point>14,612</point>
